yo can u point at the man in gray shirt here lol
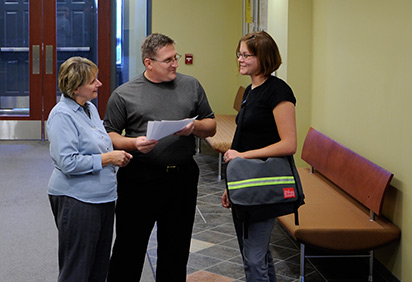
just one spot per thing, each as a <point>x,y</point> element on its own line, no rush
<point>160,184</point>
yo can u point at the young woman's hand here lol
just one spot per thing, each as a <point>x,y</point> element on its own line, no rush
<point>225,200</point>
<point>230,155</point>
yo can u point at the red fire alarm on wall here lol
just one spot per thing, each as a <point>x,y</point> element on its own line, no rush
<point>188,59</point>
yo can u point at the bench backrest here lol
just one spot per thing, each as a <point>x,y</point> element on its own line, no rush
<point>357,176</point>
<point>239,98</point>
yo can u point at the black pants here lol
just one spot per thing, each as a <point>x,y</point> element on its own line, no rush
<point>149,194</point>
<point>85,238</point>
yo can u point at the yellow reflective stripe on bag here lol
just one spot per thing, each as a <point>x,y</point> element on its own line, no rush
<point>262,181</point>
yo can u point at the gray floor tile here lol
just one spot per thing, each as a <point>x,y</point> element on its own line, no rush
<point>220,252</point>
<point>201,262</point>
<point>212,237</point>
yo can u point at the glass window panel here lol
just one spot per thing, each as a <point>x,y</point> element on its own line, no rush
<point>76,31</point>
<point>131,29</point>
<point>14,58</point>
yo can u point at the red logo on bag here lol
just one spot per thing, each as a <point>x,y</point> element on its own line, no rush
<point>289,193</point>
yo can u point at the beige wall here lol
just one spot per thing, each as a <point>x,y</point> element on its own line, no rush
<point>210,30</point>
<point>348,62</point>
<point>360,92</point>
<point>290,24</point>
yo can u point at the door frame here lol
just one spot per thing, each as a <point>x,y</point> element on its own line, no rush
<point>104,57</point>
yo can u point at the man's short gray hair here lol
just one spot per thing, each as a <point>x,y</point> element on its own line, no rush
<point>152,43</point>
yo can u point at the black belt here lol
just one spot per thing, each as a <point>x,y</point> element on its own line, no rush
<point>171,168</point>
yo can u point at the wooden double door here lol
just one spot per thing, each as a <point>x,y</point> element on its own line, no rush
<point>37,36</point>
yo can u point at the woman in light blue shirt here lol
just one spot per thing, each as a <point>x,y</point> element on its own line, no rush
<point>82,187</point>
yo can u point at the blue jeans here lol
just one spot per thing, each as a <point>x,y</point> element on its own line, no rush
<point>85,236</point>
<point>255,250</point>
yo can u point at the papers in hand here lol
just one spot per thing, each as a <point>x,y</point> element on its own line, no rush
<point>157,130</point>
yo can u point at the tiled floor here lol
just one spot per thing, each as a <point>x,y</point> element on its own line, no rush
<point>215,255</point>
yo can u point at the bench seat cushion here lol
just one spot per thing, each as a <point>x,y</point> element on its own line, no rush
<point>333,220</point>
<point>222,140</point>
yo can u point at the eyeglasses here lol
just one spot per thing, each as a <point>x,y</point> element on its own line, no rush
<point>244,56</point>
<point>169,61</point>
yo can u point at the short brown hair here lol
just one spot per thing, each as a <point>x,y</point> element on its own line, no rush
<point>262,45</point>
<point>75,72</point>
<point>154,42</point>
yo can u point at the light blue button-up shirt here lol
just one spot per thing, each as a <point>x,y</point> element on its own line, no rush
<point>76,145</point>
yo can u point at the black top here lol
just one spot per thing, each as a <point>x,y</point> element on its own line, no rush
<point>256,125</point>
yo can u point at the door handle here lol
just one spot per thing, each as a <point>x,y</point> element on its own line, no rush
<point>49,59</point>
<point>35,59</point>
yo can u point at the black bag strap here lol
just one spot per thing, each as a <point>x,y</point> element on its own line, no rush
<point>299,189</point>
<point>240,118</point>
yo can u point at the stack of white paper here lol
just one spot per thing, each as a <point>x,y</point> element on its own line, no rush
<point>157,130</point>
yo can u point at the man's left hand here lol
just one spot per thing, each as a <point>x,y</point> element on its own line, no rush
<point>187,130</point>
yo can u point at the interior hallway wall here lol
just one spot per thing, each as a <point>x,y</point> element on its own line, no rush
<point>290,24</point>
<point>361,95</point>
<point>210,30</point>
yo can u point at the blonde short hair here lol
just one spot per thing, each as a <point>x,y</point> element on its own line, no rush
<point>75,72</point>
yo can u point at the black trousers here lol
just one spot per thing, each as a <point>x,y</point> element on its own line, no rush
<point>85,238</point>
<point>148,194</point>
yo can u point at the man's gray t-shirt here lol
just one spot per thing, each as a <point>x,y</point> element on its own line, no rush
<point>138,101</point>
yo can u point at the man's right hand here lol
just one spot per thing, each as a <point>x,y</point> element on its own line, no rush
<point>144,145</point>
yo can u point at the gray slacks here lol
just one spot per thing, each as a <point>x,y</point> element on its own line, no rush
<point>255,250</point>
<point>85,234</point>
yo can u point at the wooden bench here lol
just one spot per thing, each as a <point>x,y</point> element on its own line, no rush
<point>226,125</point>
<point>344,194</point>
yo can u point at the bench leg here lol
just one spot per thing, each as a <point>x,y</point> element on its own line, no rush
<point>371,256</point>
<point>302,262</point>
<point>303,256</point>
<point>219,173</point>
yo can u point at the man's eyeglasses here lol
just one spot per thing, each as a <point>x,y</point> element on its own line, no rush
<point>244,56</point>
<point>169,61</point>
